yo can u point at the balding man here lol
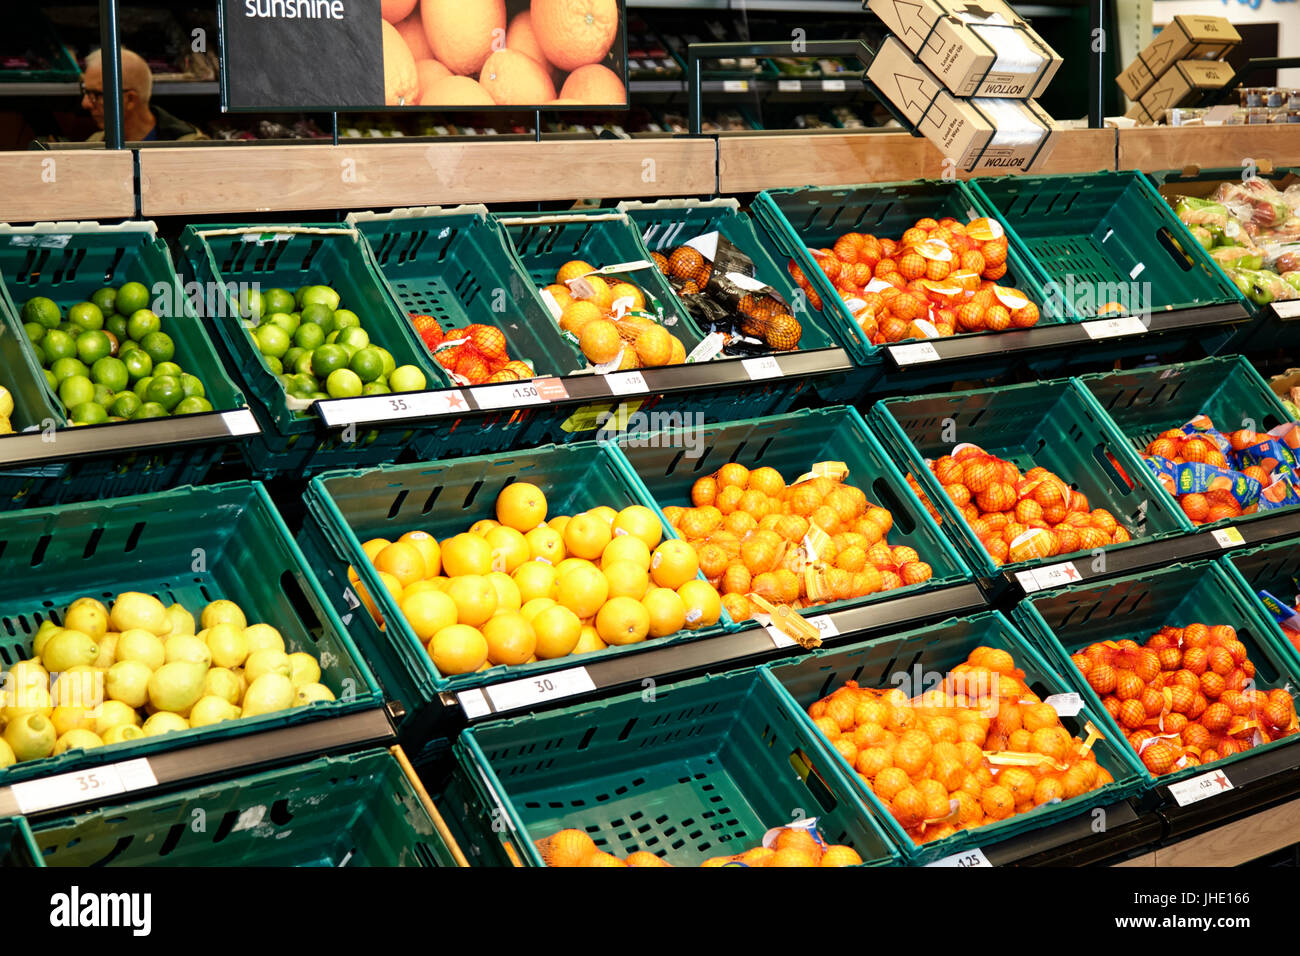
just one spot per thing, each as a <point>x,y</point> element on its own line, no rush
<point>141,122</point>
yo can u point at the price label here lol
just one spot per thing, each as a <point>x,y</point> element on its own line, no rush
<point>779,637</point>
<point>240,422</point>
<point>824,623</point>
<point>626,383</point>
<point>789,86</point>
<point>914,353</point>
<point>534,690</point>
<point>1052,576</point>
<point>93,783</point>
<point>1065,705</point>
<point>1228,537</point>
<point>474,704</point>
<point>833,86</point>
<point>537,392</point>
<point>735,86</point>
<point>1289,309</point>
<point>370,408</point>
<point>1110,328</point>
<point>967,858</point>
<point>765,367</point>
<point>1201,787</point>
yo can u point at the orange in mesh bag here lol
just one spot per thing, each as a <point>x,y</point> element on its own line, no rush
<point>566,848</point>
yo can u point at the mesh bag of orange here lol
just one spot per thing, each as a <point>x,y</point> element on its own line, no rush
<point>797,844</point>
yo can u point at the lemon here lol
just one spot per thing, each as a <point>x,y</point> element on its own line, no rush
<point>224,683</point>
<point>141,645</point>
<point>89,618</point>
<point>260,636</point>
<point>164,722</point>
<point>67,649</point>
<point>268,693</point>
<point>128,681</point>
<point>223,612</point>
<point>176,686</point>
<point>212,710</point>
<point>107,650</point>
<point>267,661</point>
<point>306,694</point>
<point>27,674</point>
<point>77,739</point>
<point>121,733</point>
<point>71,718</point>
<point>182,621</point>
<point>111,714</point>
<point>135,610</point>
<point>47,630</point>
<point>228,645</point>
<point>187,647</point>
<point>24,701</point>
<point>80,686</point>
<point>6,753</point>
<point>6,403</point>
<point>303,669</point>
<point>31,737</point>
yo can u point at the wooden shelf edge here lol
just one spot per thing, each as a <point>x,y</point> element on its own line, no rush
<point>46,186</point>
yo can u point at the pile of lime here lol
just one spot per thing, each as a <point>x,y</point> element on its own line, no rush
<point>109,360</point>
<point>319,350</point>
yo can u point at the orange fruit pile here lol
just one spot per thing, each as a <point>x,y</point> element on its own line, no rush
<point>519,588</point>
<point>793,846</point>
<point>607,319</point>
<point>813,542</point>
<point>1021,517</point>
<point>938,279</point>
<point>939,761</point>
<point>477,354</point>
<point>1186,697</point>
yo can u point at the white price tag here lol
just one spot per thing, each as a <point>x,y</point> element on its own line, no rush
<point>1228,537</point>
<point>1052,576</point>
<point>825,625</point>
<point>1201,787</point>
<point>534,690</point>
<point>789,86</point>
<point>93,783</point>
<point>914,353</point>
<point>765,367</point>
<point>779,637</point>
<point>509,395</point>
<point>1065,705</point>
<point>709,346</point>
<point>1110,328</point>
<point>626,383</point>
<point>474,704</point>
<point>398,405</point>
<point>833,86</point>
<point>1289,309</point>
<point>967,858</point>
<point>240,422</point>
<point>735,86</point>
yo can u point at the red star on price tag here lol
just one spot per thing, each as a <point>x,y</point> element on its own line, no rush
<point>1221,780</point>
<point>1070,572</point>
<point>457,403</point>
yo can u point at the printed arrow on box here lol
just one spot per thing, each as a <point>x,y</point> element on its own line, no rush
<point>900,81</point>
<point>907,12</point>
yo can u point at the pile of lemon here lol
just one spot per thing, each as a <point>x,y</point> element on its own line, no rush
<point>520,588</point>
<point>141,670</point>
<point>6,411</point>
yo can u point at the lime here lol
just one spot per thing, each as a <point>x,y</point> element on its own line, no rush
<point>291,356</point>
<point>192,405</point>
<point>285,320</point>
<point>39,353</point>
<point>406,378</point>
<point>159,346</point>
<point>368,364</point>
<point>65,368</point>
<point>304,383</point>
<point>111,372</point>
<point>142,387</point>
<point>165,390</point>
<point>103,395</point>
<point>138,363</point>
<point>150,410</point>
<point>86,315</point>
<point>89,413</point>
<point>375,388</point>
<point>332,338</point>
<point>35,331</point>
<point>51,381</point>
<point>347,319</point>
<point>126,405</point>
<point>141,323</point>
<point>278,300</point>
<point>303,365</point>
<point>389,362</point>
<point>42,311</point>
<point>343,383</point>
<point>274,364</point>
<point>250,304</point>
<point>106,299</point>
<point>76,390</point>
<point>309,336</point>
<point>318,396</point>
<point>319,294</point>
<point>167,368</point>
<point>328,358</point>
<point>115,325</point>
<point>192,387</point>
<point>73,330</point>
<point>319,315</point>
<point>128,346</point>
<point>272,340</point>
<point>131,297</point>
<point>93,346</point>
<point>57,345</point>
<point>354,336</point>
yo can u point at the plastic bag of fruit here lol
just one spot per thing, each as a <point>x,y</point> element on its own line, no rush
<point>1255,200</point>
<point>1261,286</point>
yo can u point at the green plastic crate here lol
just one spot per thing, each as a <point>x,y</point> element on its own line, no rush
<point>17,845</point>
<point>1144,402</point>
<point>702,768</point>
<point>791,444</point>
<point>67,262</point>
<point>28,31</point>
<point>289,256</point>
<point>1099,237</point>
<point>189,545</point>
<point>1054,424</point>
<point>355,810</point>
<point>1135,607</point>
<point>1274,568</point>
<point>33,409</point>
<point>919,660</point>
<point>348,507</point>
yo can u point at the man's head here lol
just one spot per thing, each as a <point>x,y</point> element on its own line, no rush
<point>137,85</point>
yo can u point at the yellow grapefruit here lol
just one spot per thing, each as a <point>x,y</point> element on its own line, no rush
<point>535,579</point>
<point>510,638</point>
<point>640,522</point>
<point>466,554</point>
<point>458,649</point>
<point>582,590</point>
<point>673,564</point>
<point>475,598</point>
<point>623,620</point>
<point>586,536</point>
<point>558,630</point>
<point>521,506</point>
<point>667,611</point>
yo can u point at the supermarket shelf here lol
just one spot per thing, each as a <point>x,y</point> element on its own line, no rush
<point>1256,834</point>
<point>63,444</point>
<point>1207,147</point>
<point>97,780</point>
<point>80,184</point>
<point>850,83</point>
<point>1287,311</point>
<point>160,88</point>
<point>723,652</point>
<point>1096,836</point>
<point>576,389</point>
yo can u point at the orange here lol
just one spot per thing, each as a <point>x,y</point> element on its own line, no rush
<point>391,585</point>
<point>401,80</point>
<point>510,639</point>
<point>793,857</point>
<point>536,606</point>
<point>462,35</point>
<point>757,856</point>
<point>509,597</point>
<point>466,554</point>
<point>429,550</point>
<point>568,564</point>
<point>738,607</point>
<point>475,598</point>
<point>595,85</point>
<point>520,36</point>
<point>403,561</point>
<point>654,347</point>
<point>557,629</point>
<point>573,33</point>
<point>546,544</point>
<point>577,313</point>
<point>429,72</point>
<point>566,848</point>
<point>626,579</point>
<point>396,10</point>
<point>642,858</point>
<point>455,91</point>
<point>535,579</point>
<point>840,856</point>
<point>512,78</point>
<point>673,564</point>
<point>732,473</point>
<point>600,858</point>
<point>704,491</point>
<point>667,611</point>
<point>561,295</point>
<point>622,620</point>
<point>412,31</point>
<point>586,536</point>
<point>483,526</point>
<point>573,269</point>
<point>374,546</point>
<point>703,605</point>
<point>521,506</point>
<point>558,523</point>
<point>605,513</point>
<point>600,296</point>
<point>428,612</point>
<point>626,290</point>
<point>600,341</point>
<point>510,549</point>
<point>588,641</point>
<point>582,590</point>
<point>625,548</point>
<point>458,649</point>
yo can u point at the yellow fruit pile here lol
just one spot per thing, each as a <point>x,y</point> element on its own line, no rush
<point>608,320</point>
<point>519,588</point>
<point>140,670</point>
<point>793,846</point>
<point>6,410</point>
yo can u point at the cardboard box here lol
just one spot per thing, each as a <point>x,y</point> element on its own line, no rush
<point>963,130</point>
<point>1138,114</point>
<point>1187,38</point>
<point>964,59</point>
<point>1183,82</point>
